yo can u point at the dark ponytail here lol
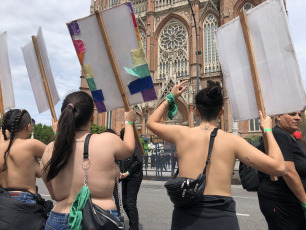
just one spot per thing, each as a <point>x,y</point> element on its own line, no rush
<point>76,111</point>
<point>209,101</point>
<point>14,121</point>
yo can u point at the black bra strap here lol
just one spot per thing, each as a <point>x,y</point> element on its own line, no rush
<point>211,144</point>
<point>85,155</point>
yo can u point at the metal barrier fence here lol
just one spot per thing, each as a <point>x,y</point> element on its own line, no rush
<point>160,161</point>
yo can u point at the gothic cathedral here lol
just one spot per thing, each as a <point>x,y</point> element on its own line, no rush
<point>168,33</point>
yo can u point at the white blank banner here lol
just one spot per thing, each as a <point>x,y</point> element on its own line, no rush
<point>35,74</point>
<point>5,74</point>
<point>277,66</point>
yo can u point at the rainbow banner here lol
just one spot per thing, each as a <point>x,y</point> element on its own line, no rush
<point>125,42</point>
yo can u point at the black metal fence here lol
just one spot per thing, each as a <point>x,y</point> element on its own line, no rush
<point>161,160</point>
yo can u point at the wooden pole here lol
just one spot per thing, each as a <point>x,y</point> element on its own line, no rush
<point>252,62</point>
<point>117,74</point>
<point>44,78</point>
<point>1,103</point>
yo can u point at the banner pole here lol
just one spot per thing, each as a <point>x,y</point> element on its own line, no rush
<point>117,74</point>
<point>2,110</point>
<point>252,62</point>
<point>44,78</point>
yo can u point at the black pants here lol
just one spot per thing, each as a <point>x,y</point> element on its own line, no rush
<point>282,215</point>
<point>130,190</point>
<point>209,213</point>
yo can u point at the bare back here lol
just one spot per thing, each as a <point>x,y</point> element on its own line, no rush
<point>22,164</point>
<point>192,154</point>
<point>101,173</point>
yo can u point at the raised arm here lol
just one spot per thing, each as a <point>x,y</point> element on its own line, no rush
<point>169,133</point>
<point>272,163</point>
<point>125,148</point>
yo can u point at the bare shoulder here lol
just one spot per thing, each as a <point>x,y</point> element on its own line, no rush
<point>107,136</point>
<point>33,142</point>
<point>229,140</point>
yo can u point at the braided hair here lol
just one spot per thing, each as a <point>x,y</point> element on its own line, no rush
<point>14,121</point>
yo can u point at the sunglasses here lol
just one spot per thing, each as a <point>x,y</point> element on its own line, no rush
<point>32,121</point>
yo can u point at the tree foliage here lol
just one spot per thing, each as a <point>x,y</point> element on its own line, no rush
<point>96,129</point>
<point>43,133</point>
<point>303,126</point>
<point>253,140</point>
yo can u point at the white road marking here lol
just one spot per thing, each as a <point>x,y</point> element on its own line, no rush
<point>246,197</point>
<point>44,195</point>
<point>239,214</point>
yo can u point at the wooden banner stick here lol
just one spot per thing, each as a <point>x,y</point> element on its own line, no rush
<point>44,78</point>
<point>2,110</point>
<point>117,74</point>
<point>252,62</point>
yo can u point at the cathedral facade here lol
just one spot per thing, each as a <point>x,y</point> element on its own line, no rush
<point>168,34</point>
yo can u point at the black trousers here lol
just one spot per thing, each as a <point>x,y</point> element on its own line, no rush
<point>208,213</point>
<point>130,190</point>
<point>282,215</point>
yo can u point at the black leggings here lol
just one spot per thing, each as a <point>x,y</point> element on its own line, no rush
<point>209,213</point>
<point>282,215</point>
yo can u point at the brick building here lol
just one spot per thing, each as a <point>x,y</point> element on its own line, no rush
<point>169,38</point>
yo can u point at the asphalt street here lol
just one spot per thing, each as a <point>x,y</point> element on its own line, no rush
<point>155,208</point>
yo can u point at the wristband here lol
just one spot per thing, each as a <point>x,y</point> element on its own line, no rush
<point>267,129</point>
<point>127,172</point>
<point>304,208</point>
<point>128,122</point>
<point>55,133</point>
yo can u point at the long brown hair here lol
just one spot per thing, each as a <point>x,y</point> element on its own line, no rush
<point>76,111</point>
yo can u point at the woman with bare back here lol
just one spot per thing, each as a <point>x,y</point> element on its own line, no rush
<point>19,168</point>
<point>214,210</point>
<point>62,161</point>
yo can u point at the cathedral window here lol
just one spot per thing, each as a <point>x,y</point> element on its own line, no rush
<point>247,6</point>
<point>210,53</point>
<point>173,51</point>
<point>143,39</point>
<point>112,3</point>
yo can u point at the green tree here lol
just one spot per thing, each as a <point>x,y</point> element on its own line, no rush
<point>253,140</point>
<point>303,126</point>
<point>43,133</point>
<point>96,129</point>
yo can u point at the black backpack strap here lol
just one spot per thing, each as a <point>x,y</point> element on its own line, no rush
<point>211,143</point>
<point>85,155</point>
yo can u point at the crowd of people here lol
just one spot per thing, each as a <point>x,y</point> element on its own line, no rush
<point>76,160</point>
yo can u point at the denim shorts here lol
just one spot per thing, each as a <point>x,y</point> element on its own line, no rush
<point>59,221</point>
<point>26,197</point>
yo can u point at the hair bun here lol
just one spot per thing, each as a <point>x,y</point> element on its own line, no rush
<point>214,89</point>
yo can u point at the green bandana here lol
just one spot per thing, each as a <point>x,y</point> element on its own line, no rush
<point>304,209</point>
<point>172,108</point>
<point>75,215</point>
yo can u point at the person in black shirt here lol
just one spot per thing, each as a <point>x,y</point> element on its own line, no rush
<point>280,201</point>
<point>131,176</point>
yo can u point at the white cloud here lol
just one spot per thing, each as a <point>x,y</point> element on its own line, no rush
<point>21,20</point>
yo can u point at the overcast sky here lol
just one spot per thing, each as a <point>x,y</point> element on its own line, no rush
<point>21,20</point>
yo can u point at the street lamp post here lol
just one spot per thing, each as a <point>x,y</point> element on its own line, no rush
<point>197,50</point>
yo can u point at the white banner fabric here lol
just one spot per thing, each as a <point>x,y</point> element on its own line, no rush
<point>277,66</point>
<point>5,75</point>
